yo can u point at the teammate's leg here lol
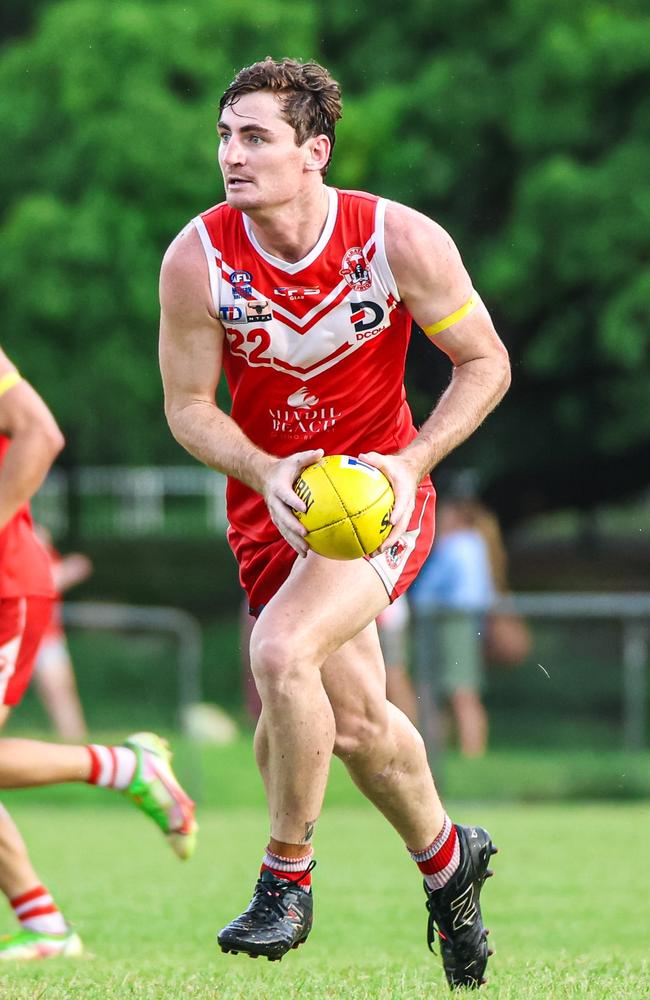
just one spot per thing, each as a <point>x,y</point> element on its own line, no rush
<point>141,768</point>
<point>43,931</point>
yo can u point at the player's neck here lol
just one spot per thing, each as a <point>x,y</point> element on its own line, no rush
<point>292,230</point>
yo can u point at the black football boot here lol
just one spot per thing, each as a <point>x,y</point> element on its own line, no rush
<point>455,913</point>
<point>279,917</point>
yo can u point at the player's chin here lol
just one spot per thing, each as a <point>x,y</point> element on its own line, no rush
<point>243,198</point>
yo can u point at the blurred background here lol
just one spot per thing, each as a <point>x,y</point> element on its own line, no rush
<point>523,129</point>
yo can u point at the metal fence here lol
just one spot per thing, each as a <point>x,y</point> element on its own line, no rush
<point>589,657</point>
<point>123,501</point>
<point>186,634</point>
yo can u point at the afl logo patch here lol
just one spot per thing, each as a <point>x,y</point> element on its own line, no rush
<point>356,270</point>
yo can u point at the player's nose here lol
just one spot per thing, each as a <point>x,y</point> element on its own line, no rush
<point>233,152</point>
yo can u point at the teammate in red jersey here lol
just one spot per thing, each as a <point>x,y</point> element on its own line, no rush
<point>304,296</point>
<point>29,442</point>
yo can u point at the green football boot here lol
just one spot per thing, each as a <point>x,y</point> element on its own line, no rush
<point>25,946</point>
<point>156,791</point>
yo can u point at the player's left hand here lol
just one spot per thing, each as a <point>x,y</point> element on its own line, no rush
<point>404,479</point>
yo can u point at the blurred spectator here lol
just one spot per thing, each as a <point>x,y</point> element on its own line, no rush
<point>506,637</point>
<point>54,672</point>
<point>393,629</point>
<point>456,583</point>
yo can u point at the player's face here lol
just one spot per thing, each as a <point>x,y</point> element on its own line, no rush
<point>261,164</point>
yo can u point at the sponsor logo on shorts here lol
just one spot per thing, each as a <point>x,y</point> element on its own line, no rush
<point>395,553</point>
<point>356,270</point>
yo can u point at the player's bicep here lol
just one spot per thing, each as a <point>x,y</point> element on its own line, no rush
<point>436,288</point>
<point>20,406</point>
<point>191,338</point>
<point>190,355</point>
<point>466,339</point>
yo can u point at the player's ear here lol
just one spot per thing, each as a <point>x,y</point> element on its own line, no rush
<point>319,153</point>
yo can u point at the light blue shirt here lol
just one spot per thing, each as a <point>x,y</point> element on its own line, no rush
<point>456,575</point>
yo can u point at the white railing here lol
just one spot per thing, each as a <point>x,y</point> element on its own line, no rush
<point>126,501</point>
<point>631,612</point>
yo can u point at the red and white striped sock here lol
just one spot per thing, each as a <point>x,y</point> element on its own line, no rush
<point>294,868</point>
<point>111,767</point>
<point>440,860</point>
<point>37,911</point>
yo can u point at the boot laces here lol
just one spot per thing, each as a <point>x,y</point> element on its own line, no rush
<point>268,898</point>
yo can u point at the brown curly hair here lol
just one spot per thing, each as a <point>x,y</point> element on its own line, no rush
<point>309,96</point>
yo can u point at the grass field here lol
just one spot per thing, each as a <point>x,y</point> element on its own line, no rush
<point>569,908</point>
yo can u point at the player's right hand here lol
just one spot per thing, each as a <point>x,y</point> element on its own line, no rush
<point>282,501</point>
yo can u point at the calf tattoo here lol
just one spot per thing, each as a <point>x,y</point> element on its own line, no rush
<point>309,831</point>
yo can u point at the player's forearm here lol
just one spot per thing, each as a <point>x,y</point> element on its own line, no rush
<point>26,464</point>
<point>475,389</point>
<point>213,438</point>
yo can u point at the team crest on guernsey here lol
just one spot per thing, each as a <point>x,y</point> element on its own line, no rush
<point>356,269</point>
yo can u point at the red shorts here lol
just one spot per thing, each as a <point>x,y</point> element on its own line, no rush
<point>264,566</point>
<point>23,621</point>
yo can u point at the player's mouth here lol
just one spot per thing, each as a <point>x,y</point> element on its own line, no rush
<point>237,183</point>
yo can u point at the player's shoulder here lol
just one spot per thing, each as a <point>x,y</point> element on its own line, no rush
<point>414,240</point>
<point>220,211</point>
<point>403,220</point>
<point>350,194</point>
<point>183,274</point>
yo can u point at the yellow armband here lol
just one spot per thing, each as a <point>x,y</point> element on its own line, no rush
<point>9,380</point>
<point>448,321</point>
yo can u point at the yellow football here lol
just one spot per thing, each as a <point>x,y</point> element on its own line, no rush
<point>348,506</point>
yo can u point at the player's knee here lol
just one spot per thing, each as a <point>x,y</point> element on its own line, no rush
<point>275,663</point>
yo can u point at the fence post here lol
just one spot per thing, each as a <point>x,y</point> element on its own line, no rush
<point>424,657</point>
<point>635,659</point>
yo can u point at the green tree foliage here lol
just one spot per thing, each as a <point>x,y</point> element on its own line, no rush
<point>109,148</point>
<point>520,126</point>
<point>523,128</point>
